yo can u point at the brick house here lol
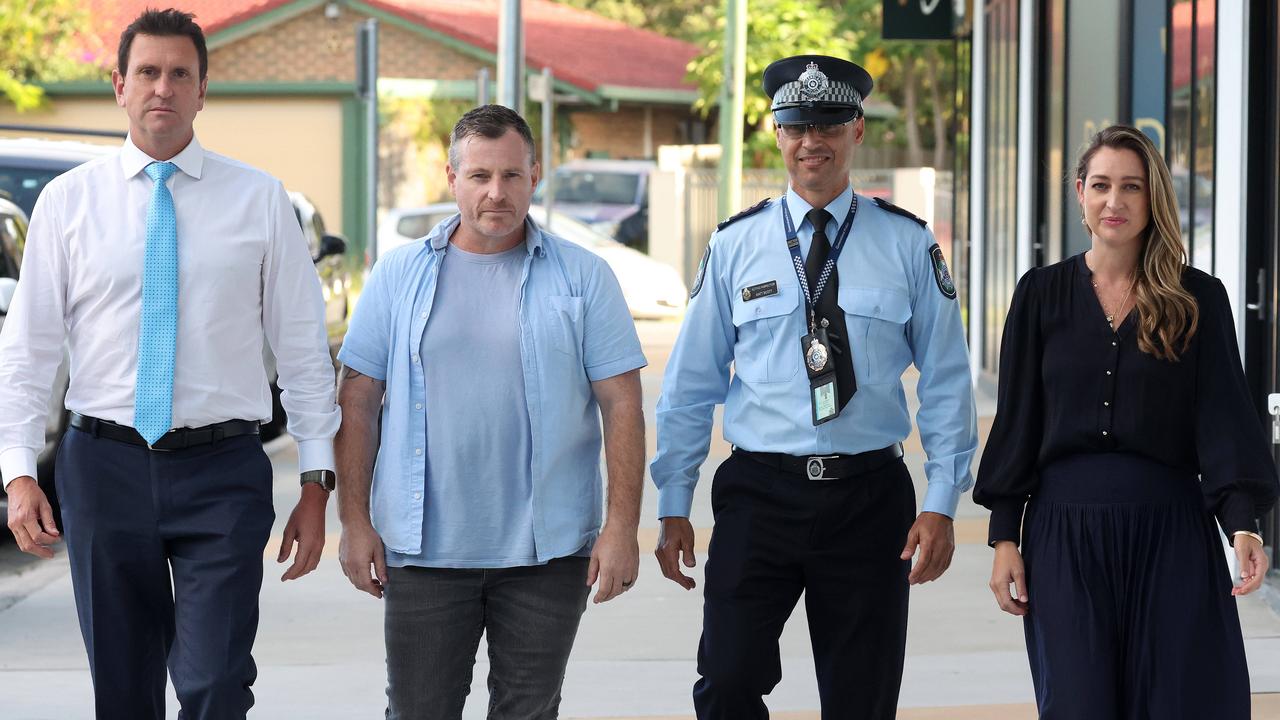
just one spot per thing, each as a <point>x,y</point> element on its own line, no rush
<point>282,78</point>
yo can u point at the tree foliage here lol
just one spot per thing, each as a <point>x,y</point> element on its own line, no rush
<point>43,41</point>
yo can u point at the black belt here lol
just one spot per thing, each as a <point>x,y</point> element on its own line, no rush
<point>176,439</point>
<point>827,467</point>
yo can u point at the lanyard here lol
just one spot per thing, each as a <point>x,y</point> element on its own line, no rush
<point>793,245</point>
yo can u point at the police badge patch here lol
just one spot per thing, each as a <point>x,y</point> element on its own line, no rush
<point>940,272</point>
<point>702,271</point>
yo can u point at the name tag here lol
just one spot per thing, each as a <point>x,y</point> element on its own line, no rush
<point>755,292</point>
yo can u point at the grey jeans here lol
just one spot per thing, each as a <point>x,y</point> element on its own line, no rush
<point>434,619</point>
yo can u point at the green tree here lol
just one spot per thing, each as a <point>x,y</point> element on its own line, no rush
<point>43,41</point>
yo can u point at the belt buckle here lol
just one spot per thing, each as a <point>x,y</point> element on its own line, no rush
<point>816,467</point>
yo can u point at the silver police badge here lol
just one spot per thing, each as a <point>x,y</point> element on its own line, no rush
<point>813,82</point>
<point>816,356</point>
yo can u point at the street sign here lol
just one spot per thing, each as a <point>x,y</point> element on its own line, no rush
<point>917,20</point>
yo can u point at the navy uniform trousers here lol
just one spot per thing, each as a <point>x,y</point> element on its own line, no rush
<point>1131,614</point>
<point>778,534</point>
<point>166,563</point>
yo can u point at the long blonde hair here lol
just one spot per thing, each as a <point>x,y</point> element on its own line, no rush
<point>1167,314</point>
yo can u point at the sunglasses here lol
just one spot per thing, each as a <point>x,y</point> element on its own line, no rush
<point>795,131</point>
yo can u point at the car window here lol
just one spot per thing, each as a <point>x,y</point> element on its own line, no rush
<point>13,236</point>
<point>572,229</point>
<point>607,188</point>
<point>24,184</point>
<point>418,225</point>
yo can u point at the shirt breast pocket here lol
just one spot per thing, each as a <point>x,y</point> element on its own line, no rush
<point>563,323</point>
<point>766,351</point>
<point>877,322</point>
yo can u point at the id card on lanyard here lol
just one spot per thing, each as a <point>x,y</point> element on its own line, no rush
<point>815,346</point>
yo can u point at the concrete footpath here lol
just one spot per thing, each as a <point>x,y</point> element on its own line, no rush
<point>320,657</point>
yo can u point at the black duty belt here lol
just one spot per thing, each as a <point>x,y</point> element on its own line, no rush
<point>177,439</point>
<point>826,467</point>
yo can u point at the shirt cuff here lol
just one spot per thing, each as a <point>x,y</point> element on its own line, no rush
<point>1238,512</point>
<point>596,373</point>
<point>941,498</point>
<point>315,454</point>
<point>674,501</point>
<point>16,462</point>
<point>1006,522</point>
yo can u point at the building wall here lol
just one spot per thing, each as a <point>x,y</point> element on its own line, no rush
<point>311,47</point>
<point>299,140</point>
<point>620,135</point>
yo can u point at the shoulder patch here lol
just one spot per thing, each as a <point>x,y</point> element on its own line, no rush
<point>702,273</point>
<point>749,211</point>
<point>890,207</point>
<point>941,274</point>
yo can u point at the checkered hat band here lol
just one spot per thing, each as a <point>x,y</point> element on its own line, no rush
<point>789,95</point>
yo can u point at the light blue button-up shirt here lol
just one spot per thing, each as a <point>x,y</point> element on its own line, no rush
<point>574,330</point>
<point>897,314</point>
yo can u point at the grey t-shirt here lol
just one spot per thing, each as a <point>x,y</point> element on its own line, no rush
<point>479,488</point>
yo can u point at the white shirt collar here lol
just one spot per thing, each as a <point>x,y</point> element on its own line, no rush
<point>189,161</point>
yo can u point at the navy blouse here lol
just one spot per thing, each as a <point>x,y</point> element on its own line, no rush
<point>1069,385</point>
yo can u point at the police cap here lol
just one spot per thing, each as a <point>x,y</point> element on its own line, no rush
<point>816,89</point>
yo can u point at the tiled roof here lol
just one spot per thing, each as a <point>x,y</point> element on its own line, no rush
<point>581,48</point>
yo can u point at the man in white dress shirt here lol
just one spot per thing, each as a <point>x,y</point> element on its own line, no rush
<point>163,268</point>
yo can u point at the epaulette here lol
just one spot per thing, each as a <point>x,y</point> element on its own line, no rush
<point>886,205</point>
<point>749,211</point>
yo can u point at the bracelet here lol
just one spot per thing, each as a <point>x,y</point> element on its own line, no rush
<point>1251,534</point>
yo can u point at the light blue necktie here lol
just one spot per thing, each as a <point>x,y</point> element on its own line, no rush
<point>158,332</point>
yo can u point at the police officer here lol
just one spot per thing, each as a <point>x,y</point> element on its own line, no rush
<point>819,299</point>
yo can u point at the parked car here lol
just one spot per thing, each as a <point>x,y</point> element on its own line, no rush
<point>28,164</point>
<point>652,289</point>
<point>612,196</point>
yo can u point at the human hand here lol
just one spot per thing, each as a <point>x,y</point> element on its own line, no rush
<point>674,540</point>
<point>1252,562</point>
<point>359,549</point>
<point>1007,569</point>
<point>615,562</point>
<point>31,518</point>
<point>306,528</point>
<point>934,535</point>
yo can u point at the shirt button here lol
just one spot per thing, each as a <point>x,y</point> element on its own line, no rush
<point>417,451</point>
<point>417,496</point>
<point>1113,343</point>
<point>759,310</point>
<point>1104,432</point>
<point>1107,403</point>
<point>1108,372</point>
<point>417,406</point>
<point>415,360</point>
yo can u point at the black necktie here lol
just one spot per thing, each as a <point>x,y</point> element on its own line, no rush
<point>826,306</point>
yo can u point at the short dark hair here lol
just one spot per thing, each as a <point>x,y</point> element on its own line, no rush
<point>163,23</point>
<point>491,121</point>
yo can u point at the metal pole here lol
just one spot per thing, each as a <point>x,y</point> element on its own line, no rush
<point>370,65</point>
<point>482,87</point>
<point>548,145</point>
<point>732,96</point>
<point>511,56</point>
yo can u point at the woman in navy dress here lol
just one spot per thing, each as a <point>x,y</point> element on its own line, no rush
<point>1123,430</point>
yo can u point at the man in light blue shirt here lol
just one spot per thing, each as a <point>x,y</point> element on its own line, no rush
<point>491,351</point>
<point>819,300</point>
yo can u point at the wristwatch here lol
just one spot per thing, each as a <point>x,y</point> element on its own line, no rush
<point>326,479</point>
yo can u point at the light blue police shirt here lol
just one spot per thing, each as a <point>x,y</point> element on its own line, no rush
<point>896,313</point>
<point>575,329</point>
